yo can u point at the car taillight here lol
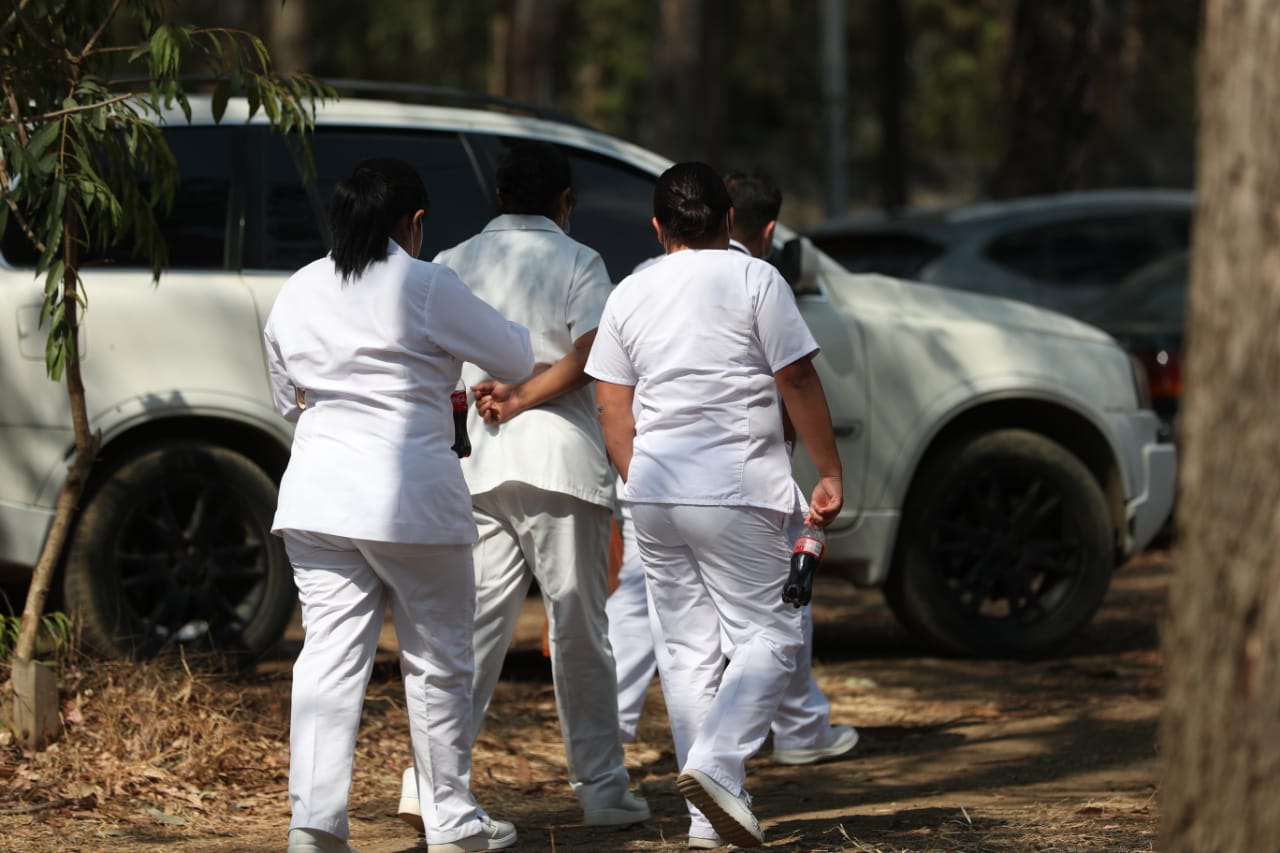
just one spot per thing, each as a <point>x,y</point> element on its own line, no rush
<point>1164,373</point>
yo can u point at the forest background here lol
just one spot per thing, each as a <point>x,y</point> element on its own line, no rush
<point>851,105</point>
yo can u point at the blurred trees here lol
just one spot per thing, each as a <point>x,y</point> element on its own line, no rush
<point>946,99</point>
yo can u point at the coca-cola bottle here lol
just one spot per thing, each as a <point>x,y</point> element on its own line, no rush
<point>805,558</point>
<point>461,441</point>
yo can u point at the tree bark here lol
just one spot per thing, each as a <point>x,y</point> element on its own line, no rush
<point>1066,59</point>
<point>689,103</point>
<point>892,62</point>
<point>288,37</point>
<point>1220,732</point>
<point>534,25</point>
<point>35,692</point>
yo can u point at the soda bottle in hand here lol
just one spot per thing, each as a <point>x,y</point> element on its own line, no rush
<point>804,562</point>
<point>461,441</point>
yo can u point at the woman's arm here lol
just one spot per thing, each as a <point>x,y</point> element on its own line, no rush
<point>499,402</point>
<point>617,420</point>
<point>806,404</point>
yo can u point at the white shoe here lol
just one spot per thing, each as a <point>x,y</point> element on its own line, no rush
<point>496,835</point>
<point>702,842</point>
<point>627,810</point>
<point>315,841</point>
<point>729,814</point>
<point>410,811</point>
<point>838,741</point>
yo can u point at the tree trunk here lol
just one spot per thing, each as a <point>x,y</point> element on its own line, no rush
<point>1220,733</point>
<point>288,37</point>
<point>33,692</point>
<point>530,50</point>
<point>689,103</point>
<point>892,61</point>
<point>1066,60</point>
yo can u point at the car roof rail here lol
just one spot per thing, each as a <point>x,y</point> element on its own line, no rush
<point>445,96</point>
<point>416,93</point>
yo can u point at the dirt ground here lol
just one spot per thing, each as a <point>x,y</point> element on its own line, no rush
<point>1052,755</point>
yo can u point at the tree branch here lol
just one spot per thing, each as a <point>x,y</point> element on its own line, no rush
<point>12,20</point>
<point>107,19</point>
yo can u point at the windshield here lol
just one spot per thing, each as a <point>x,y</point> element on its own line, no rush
<point>1154,295</point>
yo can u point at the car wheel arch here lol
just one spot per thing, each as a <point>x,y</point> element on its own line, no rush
<point>1063,424</point>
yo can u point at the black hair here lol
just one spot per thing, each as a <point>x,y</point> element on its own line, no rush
<point>690,202</point>
<point>756,201</point>
<point>531,177</point>
<point>365,209</point>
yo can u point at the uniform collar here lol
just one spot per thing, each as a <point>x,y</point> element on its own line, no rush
<point>735,246</point>
<point>522,222</point>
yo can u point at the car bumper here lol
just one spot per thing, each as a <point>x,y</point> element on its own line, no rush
<point>1152,502</point>
<point>22,532</point>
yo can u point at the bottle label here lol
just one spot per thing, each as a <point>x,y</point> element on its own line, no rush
<point>806,545</point>
<point>459,400</point>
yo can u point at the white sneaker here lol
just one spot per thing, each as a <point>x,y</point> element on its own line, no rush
<point>838,741</point>
<point>702,842</point>
<point>496,835</point>
<point>410,811</point>
<point>729,814</point>
<point>627,810</point>
<point>315,841</point>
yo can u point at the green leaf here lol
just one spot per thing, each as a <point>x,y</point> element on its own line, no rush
<point>221,94</point>
<point>42,139</point>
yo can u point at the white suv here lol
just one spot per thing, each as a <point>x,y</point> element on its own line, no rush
<point>998,458</point>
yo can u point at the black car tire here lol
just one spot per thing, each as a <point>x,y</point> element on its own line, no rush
<point>174,547</point>
<point>1005,547</point>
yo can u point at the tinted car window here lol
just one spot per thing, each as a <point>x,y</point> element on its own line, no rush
<point>613,212</point>
<point>890,253</point>
<point>292,217</point>
<point>1085,252</point>
<point>195,229</point>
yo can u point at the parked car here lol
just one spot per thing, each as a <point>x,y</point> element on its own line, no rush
<point>1147,315</point>
<point>1058,251</point>
<point>998,459</point>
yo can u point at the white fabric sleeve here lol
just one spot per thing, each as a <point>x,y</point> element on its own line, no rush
<point>784,336</point>
<point>283,392</point>
<point>467,327</point>
<point>587,293</point>
<point>608,360</point>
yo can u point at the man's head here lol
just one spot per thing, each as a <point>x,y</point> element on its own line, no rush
<point>756,202</point>
<point>534,178</point>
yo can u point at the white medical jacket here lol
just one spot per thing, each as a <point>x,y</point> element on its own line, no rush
<point>534,273</point>
<point>376,359</point>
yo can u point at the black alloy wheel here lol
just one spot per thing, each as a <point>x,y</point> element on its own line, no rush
<point>1005,549</point>
<point>175,549</point>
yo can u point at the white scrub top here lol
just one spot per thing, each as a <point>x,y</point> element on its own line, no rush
<point>378,357</point>
<point>531,271</point>
<point>699,335</point>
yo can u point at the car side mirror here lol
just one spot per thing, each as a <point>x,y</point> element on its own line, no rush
<point>797,261</point>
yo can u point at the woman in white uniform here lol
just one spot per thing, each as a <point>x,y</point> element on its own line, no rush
<point>364,347</point>
<point>704,343</point>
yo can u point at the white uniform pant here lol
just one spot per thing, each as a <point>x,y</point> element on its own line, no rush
<point>344,586</point>
<point>803,719</point>
<point>716,576</point>
<point>563,542</point>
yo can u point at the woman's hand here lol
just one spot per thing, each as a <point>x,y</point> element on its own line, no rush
<point>825,504</point>
<point>497,402</point>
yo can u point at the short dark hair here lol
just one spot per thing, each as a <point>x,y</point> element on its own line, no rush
<point>365,208</point>
<point>690,201</point>
<point>531,177</point>
<point>756,201</point>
